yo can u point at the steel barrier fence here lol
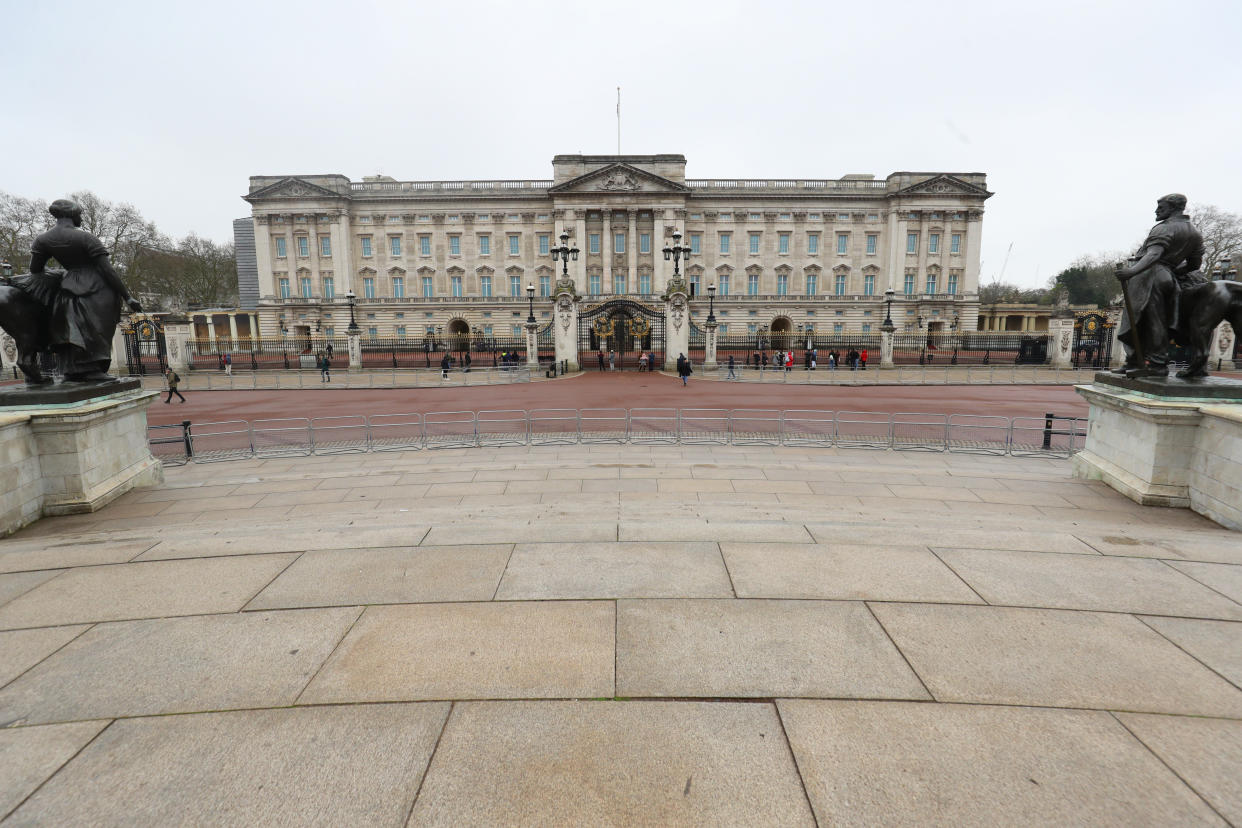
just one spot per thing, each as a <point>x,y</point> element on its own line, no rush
<point>1046,436</point>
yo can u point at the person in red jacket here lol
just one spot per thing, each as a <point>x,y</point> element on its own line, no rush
<point>862,359</point>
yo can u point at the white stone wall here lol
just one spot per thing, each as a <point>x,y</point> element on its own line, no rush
<point>21,486</point>
<point>1215,474</point>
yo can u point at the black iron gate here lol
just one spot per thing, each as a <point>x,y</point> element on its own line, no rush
<point>622,328</point>
<point>146,351</point>
<point>1093,341</point>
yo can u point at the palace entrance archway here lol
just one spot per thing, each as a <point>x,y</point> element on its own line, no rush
<point>623,327</point>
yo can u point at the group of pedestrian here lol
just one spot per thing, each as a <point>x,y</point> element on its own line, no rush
<point>856,360</point>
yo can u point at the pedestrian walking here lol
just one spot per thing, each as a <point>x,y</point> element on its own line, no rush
<point>228,365</point>
<point>173,380</point>
<point>325,368</point>
<point>788,361</point>
<point>731,365</point>
<point>683,369</point>
<point>444,367</point>
<point>465,364</point>
<point>600,358</point>
<point>862,359</point>
<point>612,360</point>
<point>806,360</point>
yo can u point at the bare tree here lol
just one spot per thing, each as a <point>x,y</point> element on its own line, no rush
<point>1222,235</point>
<point>21,220</point>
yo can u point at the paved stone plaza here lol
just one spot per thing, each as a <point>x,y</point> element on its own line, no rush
<point>622,635</point>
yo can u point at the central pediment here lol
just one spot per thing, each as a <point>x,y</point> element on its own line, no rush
<point>619,178</point>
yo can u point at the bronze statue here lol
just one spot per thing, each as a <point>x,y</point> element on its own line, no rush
<point>74,311</point>
<point>1152,286</point>
<point>1203,307</point>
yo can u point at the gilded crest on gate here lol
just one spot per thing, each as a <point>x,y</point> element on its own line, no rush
<point>637,326</point>
<point>604,327</point>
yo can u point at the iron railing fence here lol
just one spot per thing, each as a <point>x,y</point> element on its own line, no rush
<point>927,374</point>
<point>289,353</point>
<point>340,377</point>
<point>1047,436</point>
<point>968,348</point>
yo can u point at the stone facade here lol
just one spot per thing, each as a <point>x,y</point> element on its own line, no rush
<point>452,254</point>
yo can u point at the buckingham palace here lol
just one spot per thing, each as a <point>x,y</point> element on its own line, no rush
<point>418,259</point>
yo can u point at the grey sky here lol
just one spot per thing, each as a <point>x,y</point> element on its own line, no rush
<point>1081,113</point>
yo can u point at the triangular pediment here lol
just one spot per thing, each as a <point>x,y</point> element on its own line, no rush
<point>291,188</point>
<point>944,185</point>
<point>619,178</point>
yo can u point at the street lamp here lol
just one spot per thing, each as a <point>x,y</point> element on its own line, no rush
<point>1221,270</point>
<point>530,296</point>
<point>676,253</point>
<point>564,253</point>
<point>956,339</point>
<point>350,297</point>
<point>711,303</point>
<point>923,342</point>
<point>888,326</point>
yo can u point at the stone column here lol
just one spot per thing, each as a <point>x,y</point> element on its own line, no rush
<point>631,253</point>
<point>565,324</point>
<point>709,358</point>
<point>606,251</point>
<point>120,362</point>
<point>1221,350</point>
<point>1061,342</point>
<point>232,330</point>
<point>886,348</point>
<point>1119,351</point>
<point>177,340</point>
<point>355,350</point>
<point>532,345</point>
<point>580,241</point>
<point>676,323</point>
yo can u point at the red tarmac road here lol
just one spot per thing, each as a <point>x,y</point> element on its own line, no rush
<point>624,390</point>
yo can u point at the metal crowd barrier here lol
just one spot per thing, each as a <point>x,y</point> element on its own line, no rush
<point>1047,436</point>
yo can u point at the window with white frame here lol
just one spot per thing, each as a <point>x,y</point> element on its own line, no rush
<point>329,288</point>
<point>696,243</point>
<point>618,283</point>
<point>812,244</point>
<point>594,284</point>
<point>593,243</point>
<point>752,284</point>
<point>517,330</point>
<point>306,287</point>
<point>724,243</point>
<point>303,246</point>
<point>908,286</point>
<point>544,248</point>
<point>515,285</point>
<point>724,285</point>
<point>368,287</point>
<point>695,290</point>
<point>951,287</point>
<point>955,243</point>
<point>329,332</point>
<point>456,284</point>
<point>618,243</point>
<point>325,246</point>
<point>839,287</point>
<point>873,242</point>
<point>931,283</point>
<point>485,245</point>
<point>843,243</point>
<point>912,242</point>
<point>812,284</point>
<point>782,284</point>
<point>515,244</point>
<point>545,285</point>
<point>838,327</point>
<point>428,287</point>
<point>401,331</point>
<point>454,245</point>
<point>754,244</point>
<point>869,284</point>
<point>933,242</point>
<point>281,251</point>
<point>866,328</point>
<point>284,288</point>
<point>843,216</point>
<point>373,332</point>
<point>394,244</point>
<point>366,245</point>
<point>644,284</point>
<point>644,242</point>
<point>424,245</point>
<point>782,243</point>
<point>485,285</point>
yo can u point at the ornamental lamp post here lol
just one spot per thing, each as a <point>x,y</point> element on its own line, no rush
<point>888,326</point>
<point>956,338</point>
<point>676,253</point>
<point>711,303</point>
<point>1221,270</point>
<point>923,342</point>
<point>350,297</point>
<point>530,297</point>
<point>564,253</point>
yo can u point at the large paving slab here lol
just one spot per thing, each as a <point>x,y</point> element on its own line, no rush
<point>1090,582</point>
<point>562,649</point>
<point>1218,546</point>
<point>1053,658</point>
<point>612,763</point>
<point>901,763</point>
<point>937,534</point>
<point>544,531</point>
<point>757,648</point>
<point>25,555</point>
<point>1218,644</point>
<point>402,575</point>
<point>245,541</point>
<point>1207,753</point>
<point>22,649</point>
<point>19,583</point>
<point>29,755</point>
<point>1224,578</point>
<point>358,765</point>
<point>844,571</point>
<point>177,665</point>
<point>144,590</point>
<point>716,531</point>
<point>615,570</point>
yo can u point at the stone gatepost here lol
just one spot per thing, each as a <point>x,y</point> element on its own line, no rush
<point>354,338</point>
<point>886,346</point>
<point>532,345</point>
<point>1061,342</point>
<point>676,321</point>
<point>565,324</point>
<point>177,343</point>
<point>1118,356</point>
<point>709,358</point>
<point>1222,348</point>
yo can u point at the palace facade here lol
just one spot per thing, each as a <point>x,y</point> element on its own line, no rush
<point>456,256</point>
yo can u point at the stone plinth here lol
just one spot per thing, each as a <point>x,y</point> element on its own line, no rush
<point>1158,451</point>
<point>74,458</point>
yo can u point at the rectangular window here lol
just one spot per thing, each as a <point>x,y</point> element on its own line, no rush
<point>456,282</point>
<point>696,243</point>
<point>517,330</point>
<point>839,287</point>
<point>812,244</point>
<point>515,285</point>
<point>303,246</point>
<point>951,288</point>
<point>454,245</point>
<point>545,285</point>
<point>366,245</point>
<point>752,284</point>
<point>329,332</point>
<point>515,244</point>
<point>724,330</point>
<point>812,284</point>
<point>594,288</point>
<point>485,245</point>
<point>593,243</point>
<point>724,285</point>
<point>424,245</point>
<point>843,243</point>
<point>618,242</point>
<point>394,244</point>
<point>544,249</point>
<point>695,290</point>
<point>398,287</point>
<point>428,287</point>
<point>931,283</point>
<point>933,242</point>
<point>908,287</point>
<point>618,284</point>
<point>724,243</point>
<point>281,252</point>
<point>866,328</point>
<point>325,246</point>
<point>869,284</point>
<point>955,243</point>
<point>872,243</point>
<point>783,243</point>
<point>485,285</point>
<point>368,288</point>
<point>837,327</point>
<point>401,331</point>
<point>644,284</point>
<point>754,244</point>
<point>284,288</point>
<point>306,287</point>
<point>373,333</point>
<point>782,285</point>
<point>329,288</point>
<point>912,242</point>
<point>644,242</point>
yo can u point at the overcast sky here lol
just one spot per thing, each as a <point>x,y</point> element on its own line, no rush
<point>1081,113</point>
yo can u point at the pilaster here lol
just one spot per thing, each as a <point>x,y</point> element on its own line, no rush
<point>565,324</point>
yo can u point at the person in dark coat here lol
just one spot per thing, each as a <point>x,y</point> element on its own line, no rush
<point>683,368</point>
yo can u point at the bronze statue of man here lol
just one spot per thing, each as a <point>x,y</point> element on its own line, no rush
<point>1173,249</point>
<point>85,307</point>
